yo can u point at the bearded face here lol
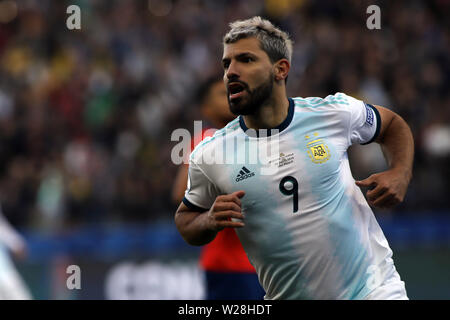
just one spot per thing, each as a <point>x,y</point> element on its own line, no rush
<point>249,76</point>
<point>246,101</point>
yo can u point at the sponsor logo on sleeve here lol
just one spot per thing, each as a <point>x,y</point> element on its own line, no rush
<point>369,117</point>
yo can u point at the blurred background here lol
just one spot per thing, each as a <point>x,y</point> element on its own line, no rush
<point>86,118</point>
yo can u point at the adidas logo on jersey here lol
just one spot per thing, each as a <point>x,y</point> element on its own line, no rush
<point>244,174</point>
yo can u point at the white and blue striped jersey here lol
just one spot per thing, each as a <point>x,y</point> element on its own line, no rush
<point>309,231</point>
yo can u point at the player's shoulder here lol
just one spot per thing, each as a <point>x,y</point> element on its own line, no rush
<point>209,143</point>
<point>337,101</point>
<point>229,129</point>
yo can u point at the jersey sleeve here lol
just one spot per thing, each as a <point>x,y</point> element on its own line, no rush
<point>201,192</point>
<point>365,122</point>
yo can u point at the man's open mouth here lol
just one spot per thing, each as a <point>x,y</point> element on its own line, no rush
<point>235,90</point>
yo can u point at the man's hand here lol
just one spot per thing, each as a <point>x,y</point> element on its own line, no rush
<point>224,208</point>
<point>388,188</point>
<point>200,227</point>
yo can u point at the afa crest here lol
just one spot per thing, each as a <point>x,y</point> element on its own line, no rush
<point>318,151</point>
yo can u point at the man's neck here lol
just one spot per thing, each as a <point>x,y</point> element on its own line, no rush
<point>270,115</point>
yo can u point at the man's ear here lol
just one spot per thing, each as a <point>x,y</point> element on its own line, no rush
<point>282,67</point>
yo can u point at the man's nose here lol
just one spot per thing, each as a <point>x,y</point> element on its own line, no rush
<point>232,71</point>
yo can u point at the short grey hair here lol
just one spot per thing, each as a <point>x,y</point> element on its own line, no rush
<point>275,42</point>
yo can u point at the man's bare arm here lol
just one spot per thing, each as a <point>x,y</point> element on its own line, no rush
<point>199,228</point>
<point>180,183</point>
<point>397,143</point>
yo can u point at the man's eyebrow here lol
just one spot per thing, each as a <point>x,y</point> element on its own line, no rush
<point>240,55</point>
<point>244,54</point>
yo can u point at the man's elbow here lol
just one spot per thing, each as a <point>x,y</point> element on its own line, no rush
<point>183,226</point>
<point>190,230</point>
<point>194,241</point>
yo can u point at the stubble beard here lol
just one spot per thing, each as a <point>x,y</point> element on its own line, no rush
<point>254,100</point>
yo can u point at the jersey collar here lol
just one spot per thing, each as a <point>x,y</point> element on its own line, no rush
<point>280,127</point>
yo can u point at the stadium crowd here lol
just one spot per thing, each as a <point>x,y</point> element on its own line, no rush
<point>86,115</point>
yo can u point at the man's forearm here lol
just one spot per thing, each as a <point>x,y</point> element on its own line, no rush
<point>194,228</point>
<point>388,188</point>
<point>398,146</point>
<point>199,228</point>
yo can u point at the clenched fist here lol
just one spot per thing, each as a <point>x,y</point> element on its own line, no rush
<point>388,188</point>
<point>224,208</point>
